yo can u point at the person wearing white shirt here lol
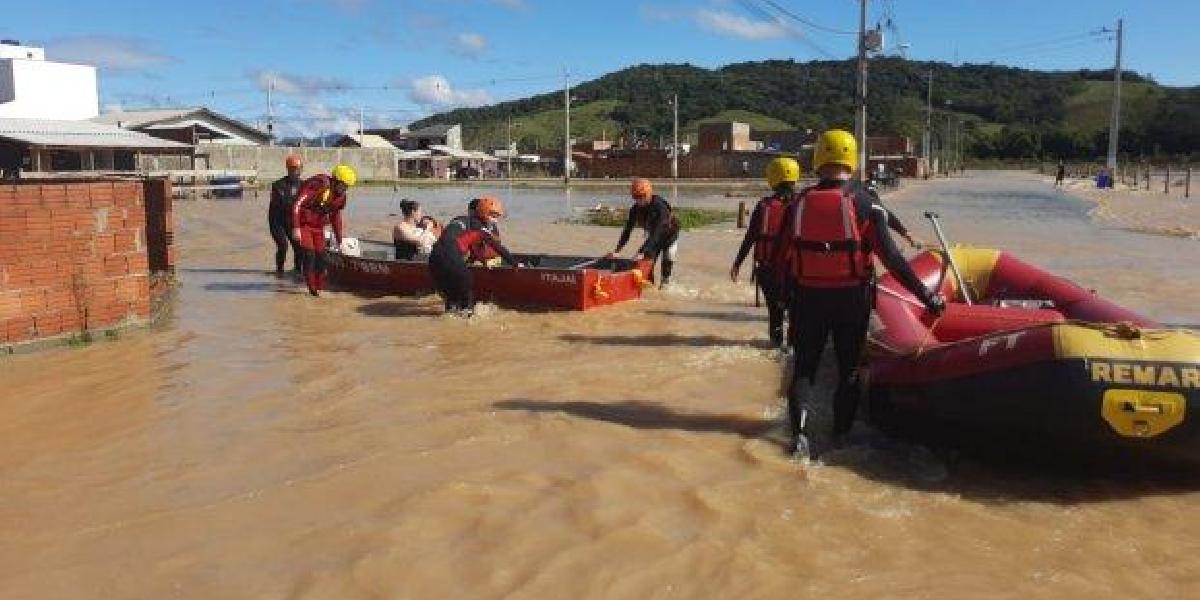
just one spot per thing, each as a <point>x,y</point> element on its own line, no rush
<point>416,233</point>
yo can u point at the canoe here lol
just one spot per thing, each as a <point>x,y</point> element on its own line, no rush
<point>549,282</point>
<point>1037,367</point>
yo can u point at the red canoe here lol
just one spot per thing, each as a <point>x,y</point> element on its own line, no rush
<point>555,282</point>
<point>1036,365</point>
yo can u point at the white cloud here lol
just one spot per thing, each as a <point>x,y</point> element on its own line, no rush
<point>292,84</point>
<point>107,52</point>
<point>470,44</point>
<point>435,91</point>
<point>730,24</point>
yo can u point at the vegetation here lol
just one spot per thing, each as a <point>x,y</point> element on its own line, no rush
<point>1006,112</point>
<point>689,217</point>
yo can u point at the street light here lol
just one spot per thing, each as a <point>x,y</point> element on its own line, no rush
<point>674,102</point>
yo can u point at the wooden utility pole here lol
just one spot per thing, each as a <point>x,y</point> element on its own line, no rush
<point>567,128</point>
<point>1114,126</point>
<point>860,119</point>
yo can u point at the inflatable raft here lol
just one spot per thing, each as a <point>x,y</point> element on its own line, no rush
<point>1029,363</point>
<point>549,281</point>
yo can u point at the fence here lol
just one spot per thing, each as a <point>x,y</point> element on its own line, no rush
<point>1166,178</point>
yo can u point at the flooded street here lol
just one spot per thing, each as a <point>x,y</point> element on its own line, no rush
<point>263,444</point>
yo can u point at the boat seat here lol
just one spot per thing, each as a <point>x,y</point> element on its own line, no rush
<point>962,321</point>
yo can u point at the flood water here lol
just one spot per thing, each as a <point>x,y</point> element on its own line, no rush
<point>264,444</point>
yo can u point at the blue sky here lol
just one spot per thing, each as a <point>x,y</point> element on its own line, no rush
<point>399,60</point>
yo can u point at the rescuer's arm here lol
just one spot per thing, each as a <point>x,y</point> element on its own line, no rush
<point>887,251</point>
<point>752,231</point>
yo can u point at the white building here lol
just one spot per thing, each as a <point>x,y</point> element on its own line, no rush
<point>32,87</point>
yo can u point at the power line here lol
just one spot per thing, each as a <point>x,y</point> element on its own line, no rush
<point>798,35</point>
<point>795,17</point>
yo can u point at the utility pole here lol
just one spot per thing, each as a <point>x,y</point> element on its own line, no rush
<point>860,120</point>
<point>270,111</point>
<point>928,118</point>
<point>1115,124</point>
<point>675,137</point>
<point>361,121</point>
<point>567,128</point>
<point>508,153</point>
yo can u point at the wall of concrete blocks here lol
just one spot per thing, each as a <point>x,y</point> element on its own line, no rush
<point>74,257</point>
<point>371,163</point>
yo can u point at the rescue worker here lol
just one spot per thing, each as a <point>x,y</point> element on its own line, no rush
<point>279,213</point>
<point>482,253</point>
<point>319,203</point>
<point>461,239</point>
<point>762,234</point>
<point>831,232</point>
<point>654,215</point>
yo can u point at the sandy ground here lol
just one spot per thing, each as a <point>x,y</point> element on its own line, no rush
<point>1149,211</point>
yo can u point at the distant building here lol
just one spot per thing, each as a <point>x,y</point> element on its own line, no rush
<point>37,147</point>
<point>728,136</point>
<point>364,141</point>
<point>444,162</point>
<point>32,87</point>
<point>793,141</point>
<point>197,126</point>
<point>449,136</point>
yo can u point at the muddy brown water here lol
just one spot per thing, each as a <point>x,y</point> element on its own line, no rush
<point>262,444</point>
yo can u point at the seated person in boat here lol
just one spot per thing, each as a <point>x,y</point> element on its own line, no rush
<point>416,233</point>
<point>461,240</point>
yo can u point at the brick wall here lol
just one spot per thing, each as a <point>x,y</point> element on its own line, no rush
<point>73,257</point>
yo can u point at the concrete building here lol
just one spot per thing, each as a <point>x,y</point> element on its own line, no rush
<point>36,147</point>
<point>728,136</point>
<point>449,136</point>
<point>32,87</point>
<point>196,126</point>
<point>444,162</point>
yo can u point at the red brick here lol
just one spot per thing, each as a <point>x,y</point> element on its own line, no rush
<point>125,241</point>
<point>47,324</point>
<point>138,263</point>
<point>132,288</point>
<point>19,329</point>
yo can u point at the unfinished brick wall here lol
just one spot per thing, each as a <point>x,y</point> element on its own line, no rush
<point>73,257</point>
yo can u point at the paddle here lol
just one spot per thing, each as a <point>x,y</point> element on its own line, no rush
<point>937,229</point>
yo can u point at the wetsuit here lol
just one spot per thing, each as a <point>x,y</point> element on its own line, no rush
<point>662,232</point>
<point>762,235</point>
<point>279,220</point>
<point>459,242</point>
<point>1060,175</point>
<point>317,206</point>
<point>833,282</point>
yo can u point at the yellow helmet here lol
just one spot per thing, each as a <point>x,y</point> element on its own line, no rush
<point>837,147</point>
<point>784,168</point>
<point>345,174</point>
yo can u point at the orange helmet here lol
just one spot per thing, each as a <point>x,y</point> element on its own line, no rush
<point>293,161</point>
<point>489,206</point>
<point>641,189</point>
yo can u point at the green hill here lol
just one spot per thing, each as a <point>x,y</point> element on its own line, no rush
<point>1007,112</point>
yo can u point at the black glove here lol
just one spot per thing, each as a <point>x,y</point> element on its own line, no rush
<point>936,305</point>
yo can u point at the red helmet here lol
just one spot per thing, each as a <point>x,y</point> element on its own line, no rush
<point>293,161</point>
<point>641,189</point>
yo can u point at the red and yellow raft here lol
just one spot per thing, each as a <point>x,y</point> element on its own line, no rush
<point>1037,366</point>
<point>549,281</point>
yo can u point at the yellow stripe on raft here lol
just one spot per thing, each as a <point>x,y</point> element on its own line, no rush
<point>976,266</point>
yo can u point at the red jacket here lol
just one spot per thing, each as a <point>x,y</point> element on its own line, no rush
<point>317,205</point>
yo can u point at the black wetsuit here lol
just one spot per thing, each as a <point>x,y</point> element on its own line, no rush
<point>662,231</point>
<point>448,260</point>
<point>279,220</point>
<point>769,276</point>
<point>843,312</point>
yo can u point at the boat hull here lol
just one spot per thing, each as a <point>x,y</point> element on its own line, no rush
<point>550,283</point>
<point>1071,378</point>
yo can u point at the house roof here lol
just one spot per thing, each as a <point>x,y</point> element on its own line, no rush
<point>430,131</point>
<point>46,132</point>
<point>371,141</point>
<point>165,118</point>
<point>462,154</point>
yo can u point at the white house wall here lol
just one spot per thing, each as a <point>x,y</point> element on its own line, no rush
<point>36,89</point>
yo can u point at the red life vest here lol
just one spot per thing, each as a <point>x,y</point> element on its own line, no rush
<point>828,240</point>
<point>316,202</point>
<point>770,228</point>
<point>482,251</point>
